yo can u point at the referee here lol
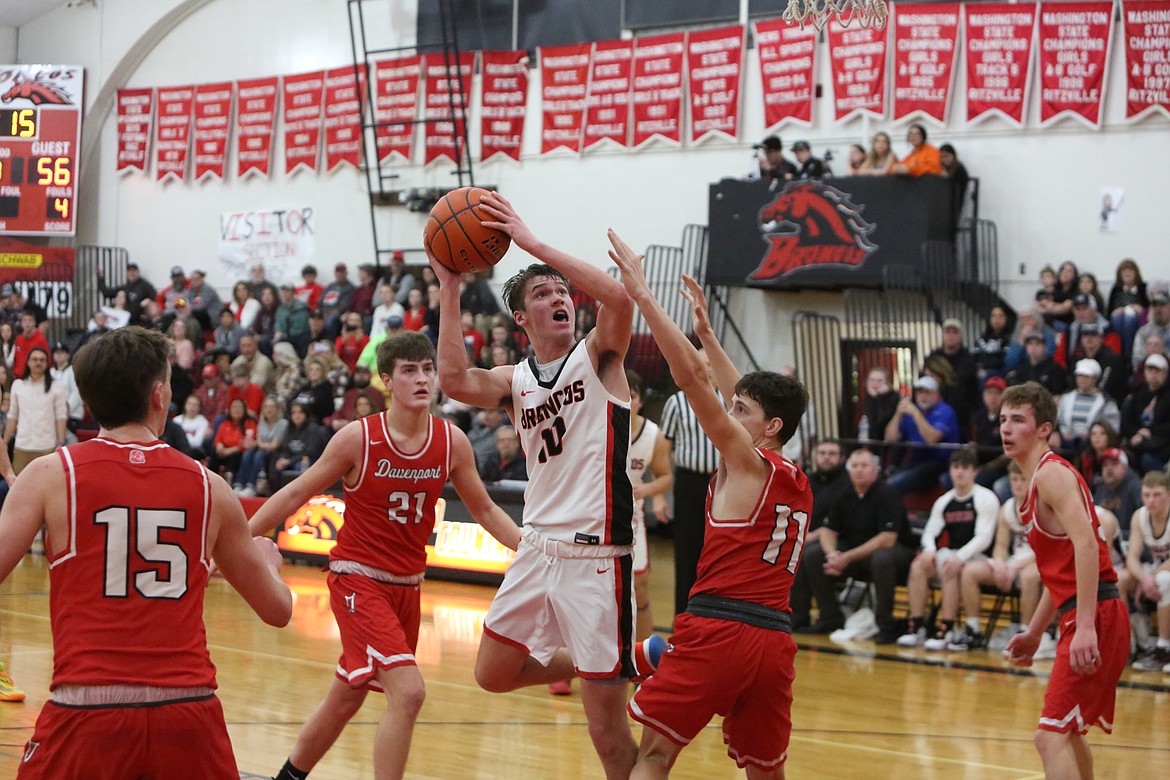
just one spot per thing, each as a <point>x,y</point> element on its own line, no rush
<point>695,460</point>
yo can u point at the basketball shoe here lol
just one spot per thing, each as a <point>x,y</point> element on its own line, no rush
<point>966,639</point>
<point>8,689</point>
<point>647,655</point>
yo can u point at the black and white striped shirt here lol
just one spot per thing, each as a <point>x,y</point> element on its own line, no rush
<point>692,449</point>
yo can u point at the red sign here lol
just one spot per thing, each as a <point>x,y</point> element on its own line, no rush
<point>440,97</point>
<point>213,117</point>
<point>999,57</point>
<point>303,112</point>
<point>135,117</point>
<point>1147,56</point>
<point>255,124</point>
<point>607,111</point>
<point>714,64</point>
<point>787,71</point>
<point>505,101</point>
<point>926,37</point>
<point>173,132</point>
<point>396,105</point>
<point>658,88</point>
<point>857,61</point>
<point>344,97</point>
<point>1074,48</point>
<point>564,73</point>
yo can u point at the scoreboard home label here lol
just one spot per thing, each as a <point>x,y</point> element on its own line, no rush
<point>40,127</point>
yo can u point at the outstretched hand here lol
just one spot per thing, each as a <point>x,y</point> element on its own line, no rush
<point>700,317</point>
<point>629,263</point>
<point>445,275</point>
<point>505,218</point>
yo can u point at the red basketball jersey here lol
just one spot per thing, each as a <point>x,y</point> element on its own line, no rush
<point>755,558</point>
<point>1054,553</point>
<point>390,510</point>
<point>126,593</point>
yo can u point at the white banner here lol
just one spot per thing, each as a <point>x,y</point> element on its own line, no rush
<point>282,240</point>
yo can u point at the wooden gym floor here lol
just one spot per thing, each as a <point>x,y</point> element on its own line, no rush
<point>866,713</point>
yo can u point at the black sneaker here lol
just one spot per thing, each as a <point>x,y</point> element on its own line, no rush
<point>886,636</point>
<point>1153,662</point>
<point>966,639</point>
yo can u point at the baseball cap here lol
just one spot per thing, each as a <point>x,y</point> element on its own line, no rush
<point>1084,299</point>
<point>394,321</point>
<point>1117,454</point>
<point>800,146</point>
<point>362,367</point>
<point>1157,361</point>
<point>397,254</point>
<point>60,347</point>
<point>1034,335</point>
<point>131,265</point>
<point>927,383</point>
<point>995,382</point>
<point>210,370</point>
<point>177,270</point>
<point>1091,329</point>
<point>1159,299</point>
<point>953,323</point>
<point>771,144</point>
<point>1088,367</point>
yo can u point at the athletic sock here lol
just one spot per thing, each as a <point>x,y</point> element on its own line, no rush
<point>973,625</point>
<point>290,772</point>
<point>1163,644</point>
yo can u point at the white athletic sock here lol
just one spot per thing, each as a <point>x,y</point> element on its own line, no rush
<point>973,624</point>
<point>1162,580</point>
<point>1163,644</point>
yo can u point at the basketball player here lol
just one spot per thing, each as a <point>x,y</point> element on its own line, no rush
<point>1150,530</point>
<point>131,527</point>
<point>393,467</point>
<point>732,651</point>
<point>8,689</point>
<point>1080,587</point>
<point>567,601</point>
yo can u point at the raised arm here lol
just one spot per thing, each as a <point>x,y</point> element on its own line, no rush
<point>725,373</point>
<point>687,367</point>
<point>475,497</point>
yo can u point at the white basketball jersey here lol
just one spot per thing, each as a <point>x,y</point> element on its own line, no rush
<point>1019,542</point>
<point>1159,546</point>
<point>576,439</point>
<point>641,453</point>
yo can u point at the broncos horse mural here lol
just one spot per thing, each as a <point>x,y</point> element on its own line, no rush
<point>38,90</point>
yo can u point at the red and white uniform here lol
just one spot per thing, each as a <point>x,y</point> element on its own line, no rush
<point>1073,701</point>
<point>724,667</point>
<point>380,556</point>
<point>126,607</point>
<point>641,453</point>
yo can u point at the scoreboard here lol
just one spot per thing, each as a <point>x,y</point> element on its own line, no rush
<point>40,130</point>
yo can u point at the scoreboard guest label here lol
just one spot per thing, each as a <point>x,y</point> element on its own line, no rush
<point>40,126</point>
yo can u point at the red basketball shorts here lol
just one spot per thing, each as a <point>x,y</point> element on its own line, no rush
<point>720,667</point>
<point>178,741</point>
<point>378,623</point>
<point>1074,702</point>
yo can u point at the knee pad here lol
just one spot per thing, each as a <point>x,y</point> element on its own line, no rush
<point>1162,580</point>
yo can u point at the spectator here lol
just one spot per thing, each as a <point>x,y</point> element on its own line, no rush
<point>270,433</point>
<point>1085,313</point>
<point>196,427</point>
<point>264,326</point>
<point>416,311</point>
<point>1038,367</point>
<point>960,529</point>
<point>431,317</point>
<point>29,338</point>
<point>508,462</point>
<point>993,463</point>
<point>1102,436</point>
<point>11,306</point>
<point>117,315</point>
<point>213,395</point>
<point>399,278</point>
<point>176,290</point>
<point>243,306</point>
<point>1118,488</point>
<point>1087,285</point>
<point>242,388</point>
<point>292,320</point>
<point>501,336</point>
<point>1128,301</point>
<point>990,349</point>
<point>866,535</point>
<point>924,423</point>
<point>37,413</point>
<point>203,300</point>
<point>923,159</point>
<point>260,368</point>
<point>1113,369</point>
<point>772,166</point>
<point>1150,529</point>
<point>477,297</point>
<point>482,434</point>
<point>387,307</point>
<point>880,158</point>
<point>855,160</point>
<point>7,343</point>
<point>965,396</point>
<point>1064,295</point>
<point>138,290</point>
<point>878,405</point>
<point>62,373</point>
<point>303,444</point>
<point>808,167</point>
<point>152,317</point>
<point>360,388</point>
<point>258,282</point>
<point>363,296</point>
<point>228,333</point>
<point>957,173</point>
<point>363,407</point>
<point>1079,409</point>
<point>1028,321</point>
<point>317,329</point>
<point>1157,324</point>
<point>289,381</point>
<point>336,299</point>
<point>235,435</point>
<point>1145,417</point>
<point>352,341</point>
<point>827,480</point>
<point>185,352</point>
<point>319,392</point>
<point>473,339</point>
<point>309,292</point>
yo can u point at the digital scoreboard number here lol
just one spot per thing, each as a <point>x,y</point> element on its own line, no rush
<point>40,130</point>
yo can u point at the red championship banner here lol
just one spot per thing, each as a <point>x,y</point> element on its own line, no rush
<point>1147,56</point>
<point>135,117</point>
<point>787,71</point>
<point>303,99</point>
<point>344,98</point>
<point>173,132</point>
<point>658,88</point>
<point>926,38</point>
<point>564,82</point>
<point>857,61</point>
<point>1074,49</point>
<point>439,96</point>
<point>999,57</point>
<point>396,105</point>
<point>607,110</point>
<point>714,65</point>
<point>255,124</point>
<point>213,123</point>
<point>505,100</point>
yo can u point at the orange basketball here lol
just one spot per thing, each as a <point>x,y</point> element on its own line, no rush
<point>455,236</point>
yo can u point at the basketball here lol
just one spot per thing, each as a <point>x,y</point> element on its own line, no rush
<point>456,238</point>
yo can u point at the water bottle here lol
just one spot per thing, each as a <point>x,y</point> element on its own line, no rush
<point>863,428</point>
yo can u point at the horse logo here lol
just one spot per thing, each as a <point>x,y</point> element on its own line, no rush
<point>809,223</point>
<point>38,90</point>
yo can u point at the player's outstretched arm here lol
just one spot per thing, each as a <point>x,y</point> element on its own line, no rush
<point>24,509</point>
<point>686,365</point>
<point>725,373</point>
<point>475,496</point>
<point>458,379</point>
<point>241,563</point>
<point>342,454</point>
